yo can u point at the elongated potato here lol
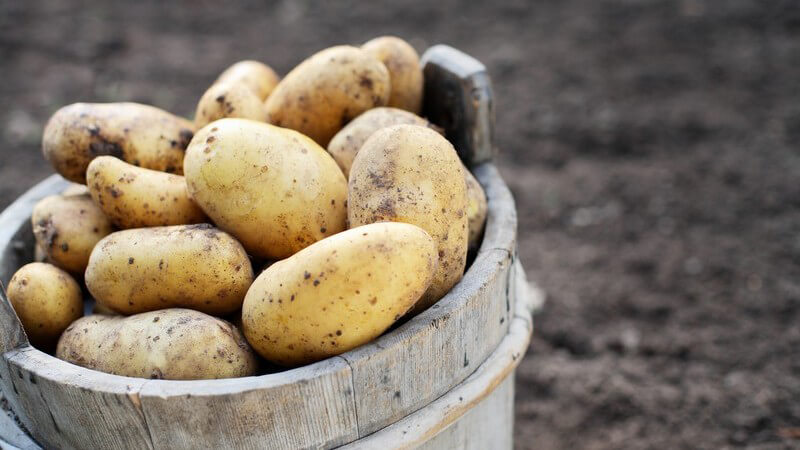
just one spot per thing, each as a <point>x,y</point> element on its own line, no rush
<point>193,266</point>
<point>477,208</point>
<point>338,293</point>
<point>227,99</point>
<point>67,227</point>
<point>344,146</point>
<point>133,197</point>
<point>274,189</point>
<point>404,71</point>
<point>327,90</point>
<point>46,300</point>
<point>171,344</point>
<point>257,76</point>
<point>408,173</point>
<point>139,134</point>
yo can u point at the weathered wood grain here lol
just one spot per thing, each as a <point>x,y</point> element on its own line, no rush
<point>458,97</point>
<point>308,407</point>
<point>66,406</point>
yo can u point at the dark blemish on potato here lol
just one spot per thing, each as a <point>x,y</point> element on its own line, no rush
<point>323,229</point>
<point>64,247</point>
<point>306,275</point>
<point>316,282</point>
<point>290,347</point>
<point>220,99</point>
<point>365,81</point>
<point>373,300</point>
<point>186,136</point>
<point>333,201</point>
<point>338,332</point>
<point>466,361</point>
<point>292,299</point>
<point>160,267</point>
<point>396,394</point>
<point>441,253</point>
<point>358,292</point>
<point>156,338</point>
<point>173,143</point>
<point>101,147</point>
<point>156,374</point>
<point>130,260</point>
<point>156,319</point>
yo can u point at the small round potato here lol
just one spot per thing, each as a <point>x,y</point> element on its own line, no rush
<point>67,227</point>
<point>193,266</point>
<point>171,344</point>
<point>139,134</point>
<point>404,71</point>
<point>274,189</point>
<point>257,76</point>
<point>133,197</point>
<point>409,173</point>
<point>344,146</point>
<point>46,300</point>
<point>226,99</point>
<point>477,208</point>
<point>327,90</point>
<point>338,293</point>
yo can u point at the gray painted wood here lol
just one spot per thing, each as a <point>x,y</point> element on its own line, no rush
<point>458,97</point>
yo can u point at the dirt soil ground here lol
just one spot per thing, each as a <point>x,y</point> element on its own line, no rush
<point>652,147</point>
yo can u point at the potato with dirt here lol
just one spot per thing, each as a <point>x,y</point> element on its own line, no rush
<point>255,75</point>
<point>477,209</point>
<point>66,229</point>
<point>226,99</point>
<point>133,197</point>
<point>171,344</point>
<point>345,144</point>
<point>142,135</point>
<point>405,73</point>
<point>338,293</point>
<point>189,266</point>
<point>327,90</point>
<point>409,173</point>
<point>46,300</point>
<point>274,189</point>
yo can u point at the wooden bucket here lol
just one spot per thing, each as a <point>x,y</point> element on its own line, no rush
<point>444,379</point>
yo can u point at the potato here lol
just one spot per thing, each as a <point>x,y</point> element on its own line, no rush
<point>171,344</point>
<point>227,99</point>
<point>274,189</point>
<point>133,197</point>
<point>193,266</point>
<point>344,146</point>
<point>75,189</point>
<point>404,71</point>
<point>139,134</point>
<point>327,90</point>
<point>409,173</point>
<point>258,77</point>
<point>67,227</point>
<point>477,209</point>
<point>46,300</point>
<point>338,293</point>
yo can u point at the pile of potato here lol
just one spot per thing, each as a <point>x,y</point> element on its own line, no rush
<point>353,209</point>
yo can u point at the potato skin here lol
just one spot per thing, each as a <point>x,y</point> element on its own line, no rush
<point>257,76</point>
<point>193,266</point>
<point>139,134</point>
<point>67,227</point>
<point>327,90</point>
<point>338,293</point>
<point>346,143</point>
<point>408,173</point>
<point>171,344</point>
<point>46,300</point>
<point>227,99</point>
<point>133,197</point>
<point>274,189</point>
<point>405,73</point>
<point>477,208</point>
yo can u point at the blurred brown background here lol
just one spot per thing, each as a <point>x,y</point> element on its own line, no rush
<point>652,147</point>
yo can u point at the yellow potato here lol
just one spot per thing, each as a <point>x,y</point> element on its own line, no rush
<point>409,173</point>
<point>75,189</point>
<point>477,208</point>
<point>67,227</point>
<point>192,266</point>
<point>404,71</point>
<point>327,90</point>
<point>274,189</point>
<point>228,99</point>
<point>139,134</point>
<point>258,77</point>
<point>133,197</point>
<point>46,300</point>
<point>171,344</point>
<point>344,146</point>
<point>339,293</point>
